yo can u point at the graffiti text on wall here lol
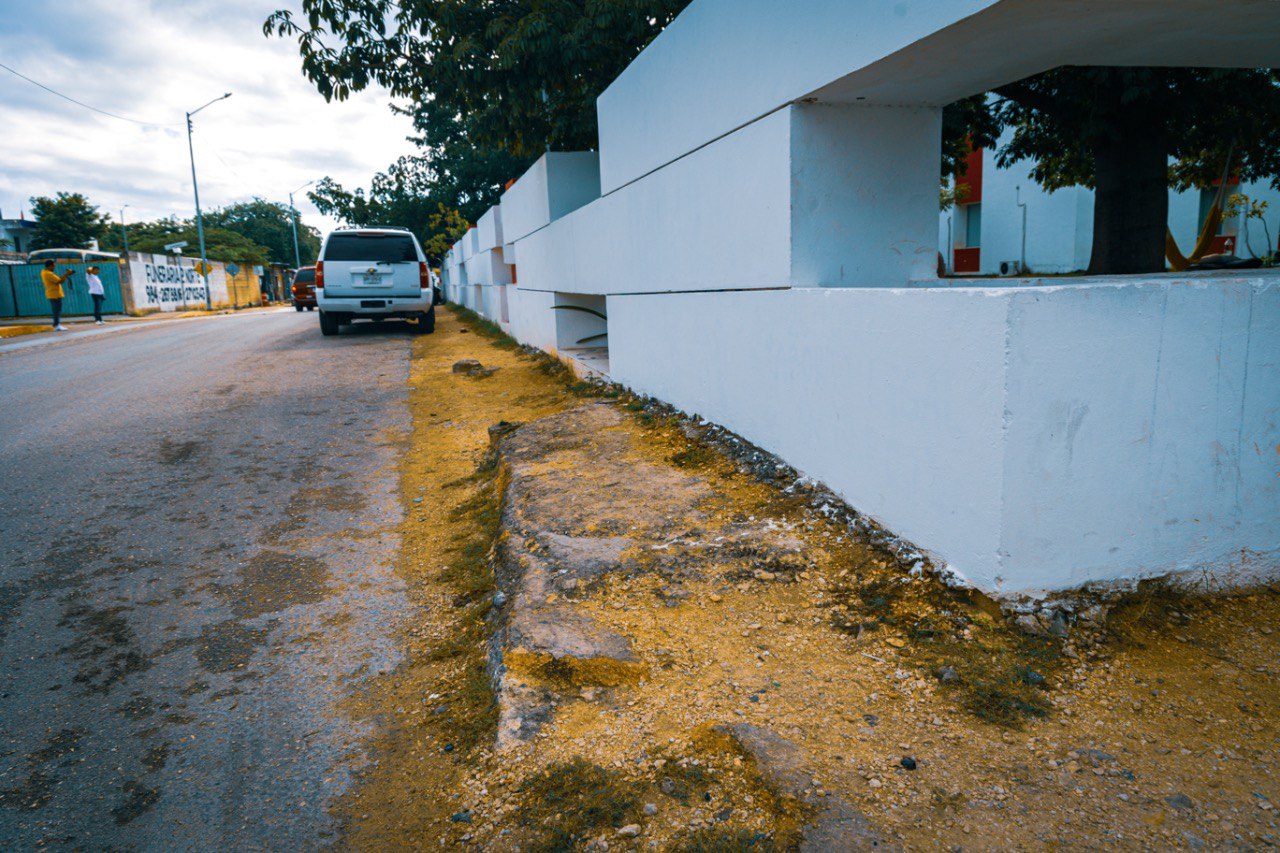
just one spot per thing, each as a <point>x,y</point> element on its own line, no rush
<point>172,284</point>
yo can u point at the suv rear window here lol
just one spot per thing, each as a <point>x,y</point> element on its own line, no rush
<point>387,248</point>
<point>305,277</point>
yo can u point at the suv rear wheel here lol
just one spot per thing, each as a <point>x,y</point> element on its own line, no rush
<point>328,323</point>
<point>426,322</point>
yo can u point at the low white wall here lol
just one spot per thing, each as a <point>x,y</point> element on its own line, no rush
<point>892,397</point>
<point>1142,429</point>
<point>170,283</point>
<point>1033,438</point>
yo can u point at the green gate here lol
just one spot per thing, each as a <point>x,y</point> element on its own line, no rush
<point>22,292</point>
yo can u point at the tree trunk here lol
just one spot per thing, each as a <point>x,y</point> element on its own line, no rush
<point>1131,202</point>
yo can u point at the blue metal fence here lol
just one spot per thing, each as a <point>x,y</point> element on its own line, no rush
<point>22,292</point>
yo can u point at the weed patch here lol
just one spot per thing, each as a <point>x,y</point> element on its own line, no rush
<point>468,575</point>
<point>997,673</point>
<point>487,328</point>
<point>571,801</point>
<point>1152,605</point>
<point>718,839</point>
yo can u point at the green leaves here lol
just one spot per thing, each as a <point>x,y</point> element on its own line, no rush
<point>67,221</point>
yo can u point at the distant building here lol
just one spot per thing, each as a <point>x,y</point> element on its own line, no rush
<point>984,233</point>
<point>16,235</point>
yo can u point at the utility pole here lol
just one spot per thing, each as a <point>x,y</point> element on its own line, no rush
<point>293,219</point>
<point>1022,261</point>
<point>204,261</point>
<point>124,235</point>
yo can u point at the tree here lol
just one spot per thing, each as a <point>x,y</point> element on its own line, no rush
<point>522,75</point>
<point>417,193</point>
<point>221,244</point>
<point>269,225</point>
<point>1116,130</point>
<point>446,226</point>
<point>68,221</point>
<point>491,85</point>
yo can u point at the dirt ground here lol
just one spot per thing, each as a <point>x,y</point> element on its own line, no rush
<point>1159,733</point>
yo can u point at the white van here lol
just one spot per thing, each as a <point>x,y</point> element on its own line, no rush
<point>373,274</point>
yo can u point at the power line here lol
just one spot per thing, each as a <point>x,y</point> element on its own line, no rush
<point>87,106</point>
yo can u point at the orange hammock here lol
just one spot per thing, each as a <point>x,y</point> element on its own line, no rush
<point>1180,262</point>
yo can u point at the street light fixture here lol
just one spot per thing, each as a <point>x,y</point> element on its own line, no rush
<point>293,220</point>
<point>204,261</point>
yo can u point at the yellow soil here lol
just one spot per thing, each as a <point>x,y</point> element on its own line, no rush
<point>15,331</point>
<point>1188,707</point>
<point>405,801</point>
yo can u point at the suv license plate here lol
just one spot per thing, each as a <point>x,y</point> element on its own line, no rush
<point>372,280</point>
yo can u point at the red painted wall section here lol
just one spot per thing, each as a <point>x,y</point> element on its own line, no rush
<point>968,261</point>
<point>973,177</point>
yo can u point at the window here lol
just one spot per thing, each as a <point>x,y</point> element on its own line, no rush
<point>973,225</point>
<point>385,248</point>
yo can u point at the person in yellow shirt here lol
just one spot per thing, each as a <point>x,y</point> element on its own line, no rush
<point>53,291</point>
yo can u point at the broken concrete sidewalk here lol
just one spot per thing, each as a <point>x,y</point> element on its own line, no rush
<point>580,502</point>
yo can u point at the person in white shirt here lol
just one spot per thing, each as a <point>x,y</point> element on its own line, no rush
<point>96,293</point>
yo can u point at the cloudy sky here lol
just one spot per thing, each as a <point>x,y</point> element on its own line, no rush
<point>153,60</point>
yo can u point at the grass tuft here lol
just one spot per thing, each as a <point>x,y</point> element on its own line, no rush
<point>487,328</point>
<point>1004,675</point>
<point>719,839</point>
<point>573,800</point>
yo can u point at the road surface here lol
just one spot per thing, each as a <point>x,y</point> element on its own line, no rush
<point>197,541</point>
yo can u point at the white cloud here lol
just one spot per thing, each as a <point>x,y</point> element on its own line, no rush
<point>154,60</point>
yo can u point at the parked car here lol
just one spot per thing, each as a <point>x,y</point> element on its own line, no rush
<point>304,289</point>
<point>373,274</point>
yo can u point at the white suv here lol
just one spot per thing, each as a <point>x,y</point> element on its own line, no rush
<point>373,274</point>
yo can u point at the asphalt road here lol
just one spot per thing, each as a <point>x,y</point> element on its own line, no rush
<point>197,534</point>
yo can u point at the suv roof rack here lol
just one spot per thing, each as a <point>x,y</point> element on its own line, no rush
<point>373,228</point>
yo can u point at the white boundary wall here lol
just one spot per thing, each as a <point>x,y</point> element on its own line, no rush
<point>1033,438</point>
<point>171,283</point>
<point>768,264</point>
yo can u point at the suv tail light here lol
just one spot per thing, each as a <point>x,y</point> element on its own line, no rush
<point>424,275</point>
<point>319,274</point>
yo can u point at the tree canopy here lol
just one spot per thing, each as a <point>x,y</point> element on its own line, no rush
<point>267,224</point>
<point>221,244</point>
<point>67,221</point>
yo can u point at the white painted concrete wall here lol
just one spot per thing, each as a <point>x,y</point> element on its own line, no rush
<point>837,196</point>
<point>556,185</point>
<point>830,380</point>
<point>864,189</point>
<point>755,250</point>
<point>1031,437</point>
<point>723,63</point>
<point>1143,429</point>
<point>489,230</point>
<point>170,283</point>
<point>716,219</point>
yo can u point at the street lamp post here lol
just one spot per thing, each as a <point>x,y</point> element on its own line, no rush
<point>124,235</point>
<point>293,220</point>
<point>204,261</point>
